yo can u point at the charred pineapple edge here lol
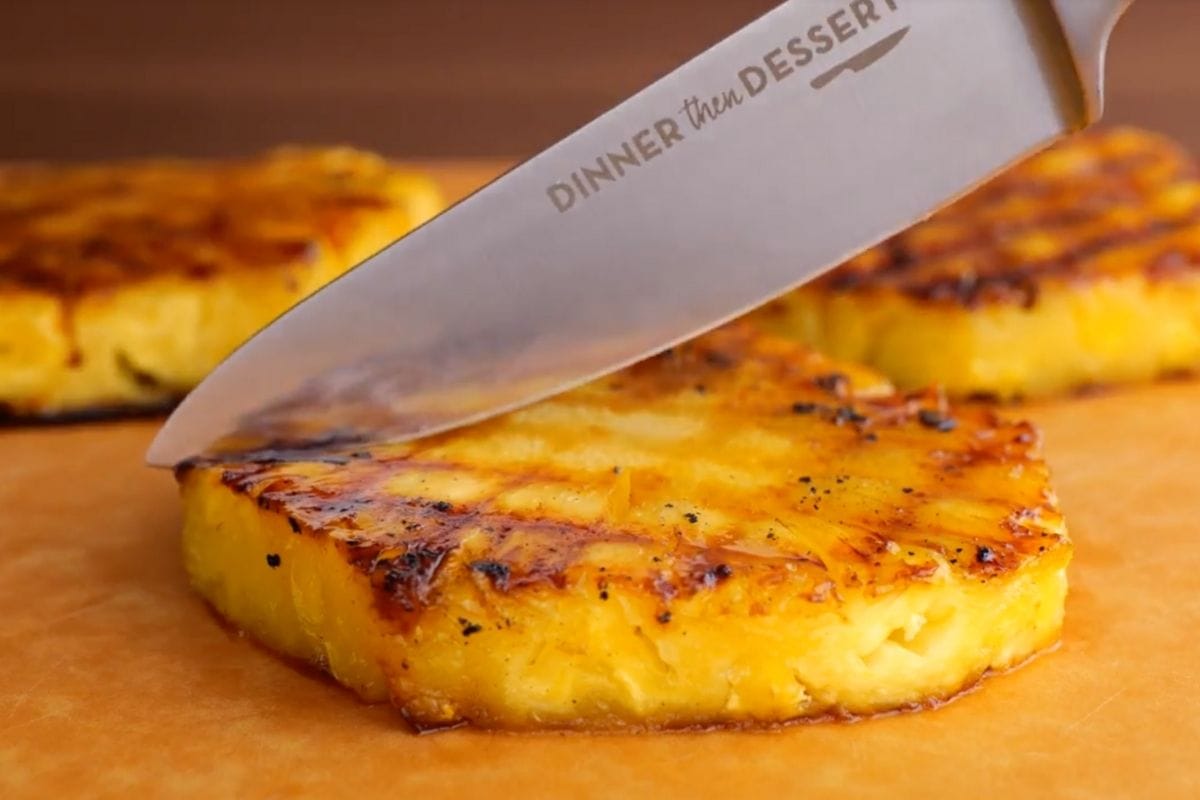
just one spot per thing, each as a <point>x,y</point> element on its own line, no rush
<point>560,657</point>
<point>146,344</point>
<point>137,347</point>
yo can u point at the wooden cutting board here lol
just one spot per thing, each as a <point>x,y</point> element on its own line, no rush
<point>115,680</point>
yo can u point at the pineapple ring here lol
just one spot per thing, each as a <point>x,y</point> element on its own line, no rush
<point>739,532</point>
<point>1080,267</point>
<point>122,285</point>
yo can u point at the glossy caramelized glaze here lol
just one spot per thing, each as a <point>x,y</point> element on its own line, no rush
<point>122,285</point>
<point>1077,268</point>
<point>1100,204</point>
<point>73,229</point>
<point>736,480</point>
<point>696,528</point>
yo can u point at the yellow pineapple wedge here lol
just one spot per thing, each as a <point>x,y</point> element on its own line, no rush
<point>737,532</point>
<point>1080,267</point>
<point>123,284</point>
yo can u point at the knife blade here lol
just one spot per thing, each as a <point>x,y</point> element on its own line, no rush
<point>814,132</point>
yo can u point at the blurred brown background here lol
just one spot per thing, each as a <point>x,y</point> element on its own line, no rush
<point>412,77</point>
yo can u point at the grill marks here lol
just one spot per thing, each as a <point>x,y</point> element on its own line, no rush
<point>68,231</point>
<point>831,497</point>
<point>269,229</point>
<point>402,543</point>
<point>135,250</point>
<point>1101,204</point>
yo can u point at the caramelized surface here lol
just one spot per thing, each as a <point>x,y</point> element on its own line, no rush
<point>732,424</point>
<point>1080,267</point>
<point>72,229</point>
<point>737,491</point>
<point>1101,204</point>
<point>122,285</point>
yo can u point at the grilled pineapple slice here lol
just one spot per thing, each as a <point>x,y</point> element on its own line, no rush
<point>1079,267</point>
<point>122,285</point>
<point>736,532</point>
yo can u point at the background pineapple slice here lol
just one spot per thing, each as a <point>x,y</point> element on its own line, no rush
<point>736,532</point>
<point>122,285</point>
<point>1079,267</point>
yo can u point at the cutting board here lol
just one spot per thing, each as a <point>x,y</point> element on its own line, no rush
<point>116,680</point>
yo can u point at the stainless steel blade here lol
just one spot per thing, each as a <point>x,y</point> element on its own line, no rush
<point>814,132</point>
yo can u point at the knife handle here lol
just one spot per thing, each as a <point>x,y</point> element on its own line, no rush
<point>1087,25</point>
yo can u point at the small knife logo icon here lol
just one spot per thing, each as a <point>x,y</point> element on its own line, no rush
<point>862,60</point>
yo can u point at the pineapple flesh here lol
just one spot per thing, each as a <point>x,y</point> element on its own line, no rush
<point>737,532</point>
<point>122,285</point>
<point>1080,267</point>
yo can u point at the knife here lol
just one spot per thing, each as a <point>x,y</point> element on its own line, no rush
<point>811,134</point>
